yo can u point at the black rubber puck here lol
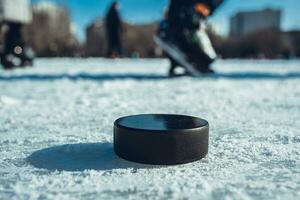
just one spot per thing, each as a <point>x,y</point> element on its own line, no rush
<point>161,139</point>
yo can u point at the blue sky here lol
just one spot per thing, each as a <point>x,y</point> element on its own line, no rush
<point>145,11</point>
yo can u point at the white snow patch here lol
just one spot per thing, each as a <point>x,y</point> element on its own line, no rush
<point>8,100</point>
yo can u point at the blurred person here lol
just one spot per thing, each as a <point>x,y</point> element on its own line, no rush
<point>182,35</point>
<point>114,31</point>
<point>16,52</point>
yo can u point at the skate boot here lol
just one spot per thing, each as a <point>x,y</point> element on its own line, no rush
<point>187,42</point>
<point>7,61</point>
<point>27,57</point>
<point>203,52</point>
<point>176,70</point>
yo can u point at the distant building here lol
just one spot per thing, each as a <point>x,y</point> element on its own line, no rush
<point>246,22</point>
<point>95,39</point>
<point>137,40</point>
<point>15,11</point>
<point>51,32</point>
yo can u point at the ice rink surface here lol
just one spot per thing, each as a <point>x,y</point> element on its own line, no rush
<point>56,130</point>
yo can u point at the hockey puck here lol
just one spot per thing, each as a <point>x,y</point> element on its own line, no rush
<point>161,139</point>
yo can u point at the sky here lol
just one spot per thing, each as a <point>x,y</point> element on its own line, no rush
<point>83,12</point>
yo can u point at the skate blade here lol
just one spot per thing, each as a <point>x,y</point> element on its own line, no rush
<point>178,56</point>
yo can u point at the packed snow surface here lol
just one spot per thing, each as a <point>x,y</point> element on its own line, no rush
<point>56,130</point>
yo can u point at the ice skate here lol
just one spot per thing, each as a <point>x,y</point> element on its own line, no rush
<point>182,36</point>
<point>176,54</point>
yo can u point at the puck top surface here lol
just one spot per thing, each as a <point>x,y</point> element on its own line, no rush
<point>160,122</point>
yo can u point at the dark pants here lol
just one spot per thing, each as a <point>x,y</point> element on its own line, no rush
<point>114,44</point>
<point>13,38</point>
<point>15,46</point>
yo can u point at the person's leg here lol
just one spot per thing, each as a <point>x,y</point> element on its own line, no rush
<point>196,45</point>
<point>204,45</point>
<point>185,33</point>
<point>21,50</point>
<point>173,66</point>
<point>109,49</point>
<point>115,50</point>
<point>110,44</point>
<point>115,46</point>
<point>12,39</point>
<point>119,47</point>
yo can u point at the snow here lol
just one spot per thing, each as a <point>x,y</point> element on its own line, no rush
<point>56,130</point>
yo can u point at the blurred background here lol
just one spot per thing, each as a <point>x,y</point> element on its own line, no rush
<point>262,29</point>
